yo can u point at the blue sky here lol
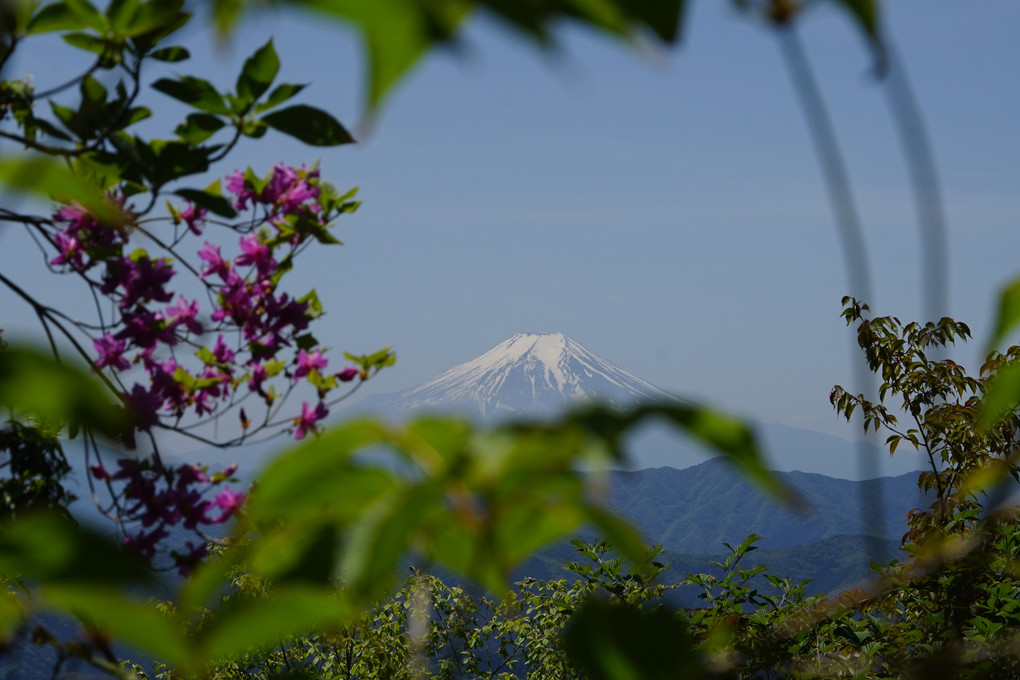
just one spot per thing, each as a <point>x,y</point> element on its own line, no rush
<point>663,209</point>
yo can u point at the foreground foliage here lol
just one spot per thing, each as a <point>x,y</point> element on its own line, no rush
<point>949,608</point>
<point>364,497</point>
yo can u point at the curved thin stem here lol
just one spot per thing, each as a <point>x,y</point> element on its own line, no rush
<point>855,258</point>
<point>927,191</point>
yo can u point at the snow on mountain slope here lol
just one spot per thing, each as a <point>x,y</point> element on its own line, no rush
<point>528,374</point>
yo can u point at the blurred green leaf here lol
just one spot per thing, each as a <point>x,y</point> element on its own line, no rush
<point>305,479</point>
<point>258,73</point>
<point>54,17</point>
<point>33,383</point>
<point>52,549</point>
<point>48,178</point>
<point>383,535</point>
<point>67,16</point>
<point>397,33</point>
<point>311,125</point>
<point>121,14</point>
<point>621,535</point>
<point>1001,395</point>
<point>170,54</point>
<point>107,609</point>
<point>250,623</point>
<point>615,641</point>
<point>719,432</point>
<point>1008,314</point>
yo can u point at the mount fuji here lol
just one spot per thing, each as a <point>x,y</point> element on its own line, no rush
<point>529,374</point>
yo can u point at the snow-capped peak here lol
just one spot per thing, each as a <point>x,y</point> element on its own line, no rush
<point>529,373</point>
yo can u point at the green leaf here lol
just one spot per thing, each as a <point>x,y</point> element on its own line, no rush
<point>154,22</point>
<point>1002,395</point>
<point>196,92</point>
<point>137,113</point>
<point>121,14</point>
<point>314,309</point>
<point>615,641</point>
<point>35,384</point>
<point>247,623</point>
<point>280,94</point>
<point>258,73</point>
<point>306,477</point>
<point>1008,313</point>
<point>52,549</point>
<point>211,202</point>
<point>306,342</point>
<point>108,610</point>
<point>86,41</point>
<point>198,127</point>
<point>66,16</point>
<point>55,17</point>
<point>383,535</point>
<point>170,54</point>
<point>309,124</point>
<point>48,178</point>
<point>164,161</point>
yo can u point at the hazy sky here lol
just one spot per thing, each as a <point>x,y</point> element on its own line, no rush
<point>665,210</point>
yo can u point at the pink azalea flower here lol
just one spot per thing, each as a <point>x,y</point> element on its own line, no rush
<point>111,353</point>
<point>217,265</point>
<point>194,218</point>
<point>307,362</point>
<point>309,416</point>
<point>257,254</point>
<point>184,313</point>
<point>221,352</point>
<point>230,502</point>
<point>236,185</point>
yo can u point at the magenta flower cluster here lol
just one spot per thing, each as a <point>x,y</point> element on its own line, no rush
<point>248,304</point>
<point>157,344</point>
<point>83,241</point>
<point>158,498</point>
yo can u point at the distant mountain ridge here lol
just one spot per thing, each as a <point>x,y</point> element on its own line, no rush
<point>695,509</point>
